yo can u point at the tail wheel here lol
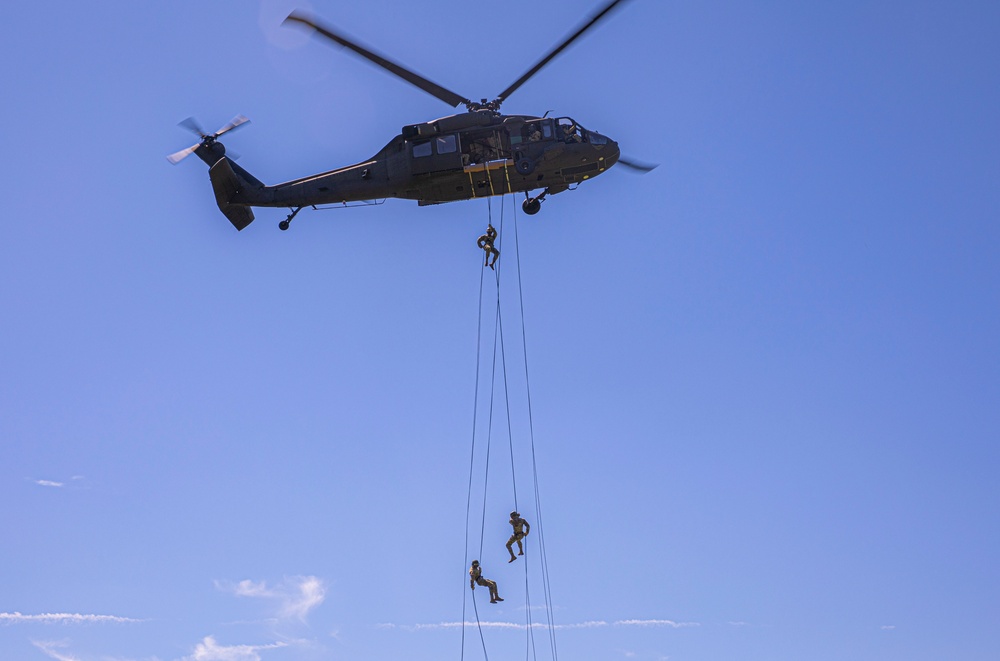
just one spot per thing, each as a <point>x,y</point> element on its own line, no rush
<point>531,206</point>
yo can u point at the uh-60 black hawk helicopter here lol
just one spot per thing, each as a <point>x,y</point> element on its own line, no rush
<point>474,154</point>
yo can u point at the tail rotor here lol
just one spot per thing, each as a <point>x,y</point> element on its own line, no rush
<point>207,140</point>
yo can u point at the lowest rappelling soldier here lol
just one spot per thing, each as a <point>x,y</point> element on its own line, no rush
<point>486,243</point>
<point>521,530</point>
<point>476,576</point>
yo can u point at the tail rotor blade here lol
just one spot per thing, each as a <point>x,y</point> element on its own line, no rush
<point>192,125</point>
<point>177,157</point>
<point>237,121</point>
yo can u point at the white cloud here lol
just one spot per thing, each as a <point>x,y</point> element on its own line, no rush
<point>49,648</point>
<point>296,596</point>
<point>592,624</point>
<point>63,618</point>
<point>654,623</point>
<point>888,627</point>
<point>209,650</point>
<point>48,483</point>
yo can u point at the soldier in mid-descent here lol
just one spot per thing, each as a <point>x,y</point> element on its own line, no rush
<point>521,530</point>
<point>476,576</point>
<point>486,243</point>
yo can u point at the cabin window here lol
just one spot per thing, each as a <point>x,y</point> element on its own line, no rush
<point>547,130</point>
<point>532,132</point>
<point>421,149</point>
<point>446,144</point>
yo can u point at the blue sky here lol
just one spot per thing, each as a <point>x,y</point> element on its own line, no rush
<point>763,377</point>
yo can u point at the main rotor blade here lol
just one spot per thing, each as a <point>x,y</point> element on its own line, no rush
<point>555,51</point>
<point>638,166</point>
<point>433,89</point>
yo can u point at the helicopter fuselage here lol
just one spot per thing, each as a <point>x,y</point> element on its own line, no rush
<point>459,157</point>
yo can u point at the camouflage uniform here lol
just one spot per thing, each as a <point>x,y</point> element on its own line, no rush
<point>521,530</point>
<point>485,242</point>
<point>476,576</point>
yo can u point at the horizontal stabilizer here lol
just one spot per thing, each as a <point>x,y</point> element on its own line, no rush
<point>226,185</point>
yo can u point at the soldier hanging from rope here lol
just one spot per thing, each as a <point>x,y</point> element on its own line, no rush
<point>486,244</point>
<point>521,530</point>
<point>476,576</point>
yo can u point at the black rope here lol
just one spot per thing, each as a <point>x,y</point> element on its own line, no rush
<point>480,625</point>
<point>534,464</point>
<point>489,430</point>
<point>472,458</point>
<point>506,394</point>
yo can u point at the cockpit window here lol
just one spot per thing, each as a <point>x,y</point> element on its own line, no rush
<point>446,144</point>
<point>596,138</point>
<point>421,149</point>
<point>568,130</point>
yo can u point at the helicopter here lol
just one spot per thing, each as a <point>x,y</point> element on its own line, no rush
<point>478,153</point>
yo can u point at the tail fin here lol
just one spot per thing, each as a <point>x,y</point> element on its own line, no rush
<point>227,185</point>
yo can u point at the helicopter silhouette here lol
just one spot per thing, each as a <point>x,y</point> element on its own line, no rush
<point>478,153</point>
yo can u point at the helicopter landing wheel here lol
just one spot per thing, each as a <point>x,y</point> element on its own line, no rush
<point>283,225</point>
<point>524,166</point>
<point>531,206</point>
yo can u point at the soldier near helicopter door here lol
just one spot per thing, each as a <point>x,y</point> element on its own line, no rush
<point>476,577</point>
<point>485,243</point>
<point>521,530</point>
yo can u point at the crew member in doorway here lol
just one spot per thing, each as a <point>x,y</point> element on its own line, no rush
<point>486,244</point>
<point>476,576</point>
<point>521,530</point>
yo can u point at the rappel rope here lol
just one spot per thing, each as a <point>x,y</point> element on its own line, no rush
<point>534,467</point>
<point>499,342</point>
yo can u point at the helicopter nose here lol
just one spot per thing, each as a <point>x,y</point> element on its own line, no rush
<point>614,152</point>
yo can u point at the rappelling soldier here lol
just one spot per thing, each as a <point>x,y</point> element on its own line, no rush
<point>476,576</point>
<point>486,244</point>
<point>521,530</point>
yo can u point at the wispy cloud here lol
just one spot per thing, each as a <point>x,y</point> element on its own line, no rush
<point>63,618</point>
<point>592,624</point>
<point>655,623</point>
<point>51,649</point>
<point>888,627</point>
<point>296,596</point>
<point>49,483</point>
<point>209,650</point>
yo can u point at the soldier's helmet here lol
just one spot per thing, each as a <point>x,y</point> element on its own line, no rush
<point>475,563</point>
<point>513,514</point>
